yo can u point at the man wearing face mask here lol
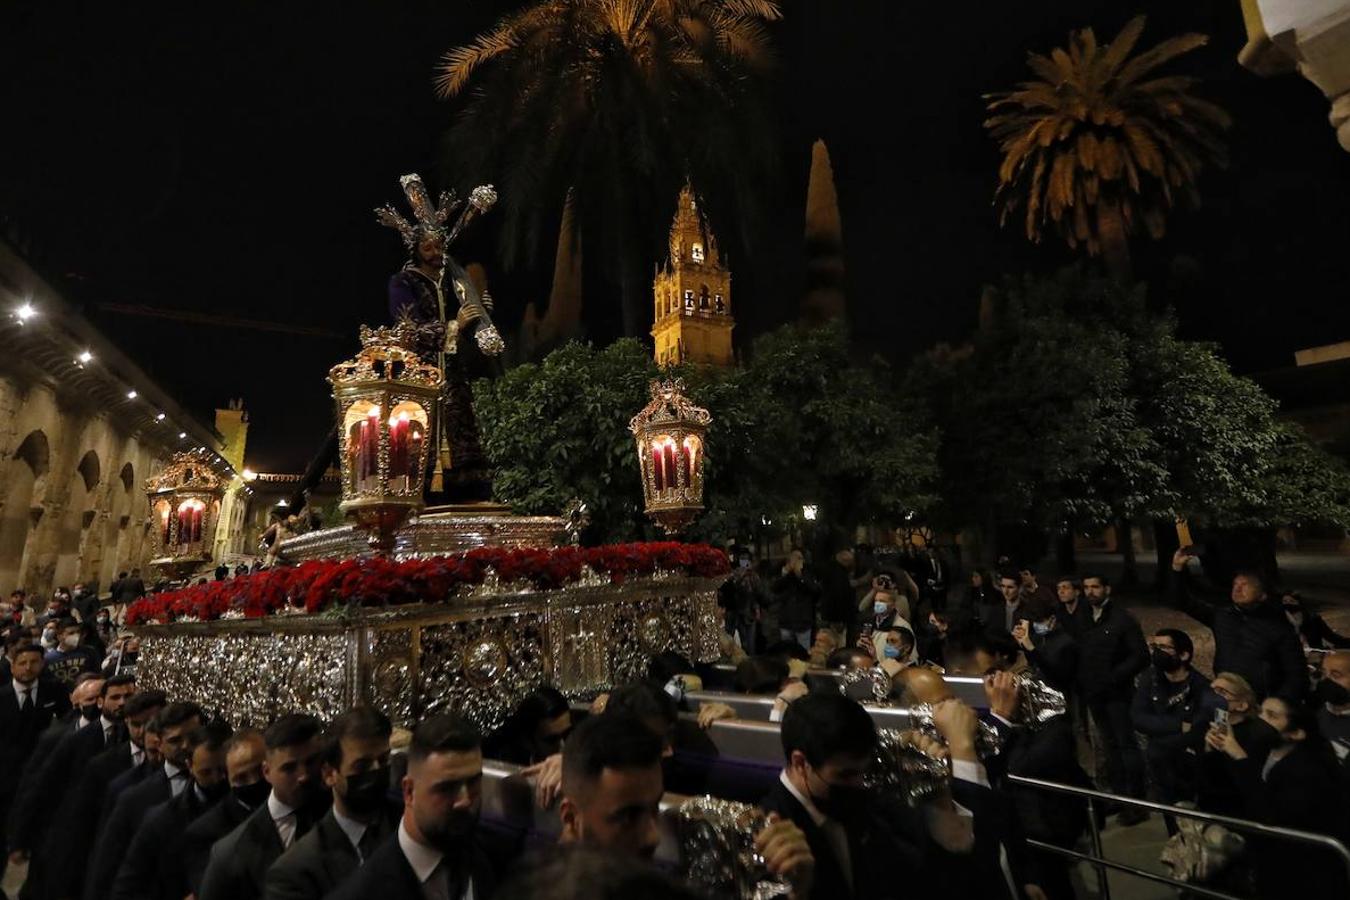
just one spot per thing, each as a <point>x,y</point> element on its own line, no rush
<point>1217,778</point>
<point>435,851</point>
<point>69,658</point>
<point>239,862</point>
<point>1169,708</point>
<point>176,723</point>
<point>70,848</point>
<point>1051,651</point>
<point>1333,703</point>
<point>356,770</point>
<point>856,845</point>
<point>244,756</point>
<point>742,597</point>
<point>153,868</point>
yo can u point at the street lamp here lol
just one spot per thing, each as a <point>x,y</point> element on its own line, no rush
<point>810,511</point>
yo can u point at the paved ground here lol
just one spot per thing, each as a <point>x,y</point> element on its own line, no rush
<point>1323,580</point>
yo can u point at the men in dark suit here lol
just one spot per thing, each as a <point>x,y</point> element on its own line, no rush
<point>356,770</point>
<point>28,706</point>
<point>1112,652</point>
<point>433,852</point>
<point>244,755</point>
<point>1004,615</point>
<point>176,721</point>
<point>68,855</point>
<point>828,743</point>
<point>239,861</point>
<point>153,868</point>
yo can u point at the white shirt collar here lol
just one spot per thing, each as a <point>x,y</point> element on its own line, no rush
<point>137,754</point>
<point>816,815</point>
<point>171,771</point>
<point>353,829</point>
<point>106,722</point>
<point>421,858</point>
<point>278,809</point>
<point>19,690</point>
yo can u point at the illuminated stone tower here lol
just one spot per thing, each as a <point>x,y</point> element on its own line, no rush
<point>693,295</point>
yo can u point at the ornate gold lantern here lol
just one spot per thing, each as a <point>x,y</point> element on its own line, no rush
<point>669,433</point>
<point>185,500</point>
<point>387,397</point>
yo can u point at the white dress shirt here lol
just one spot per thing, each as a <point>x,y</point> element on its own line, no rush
<point>25,690</point>
<point>283,817</point>
<point>178,779</point>
<point>137,754</point>
<point>426,863</point>
<point>834,832</point>
<point>107,729</point>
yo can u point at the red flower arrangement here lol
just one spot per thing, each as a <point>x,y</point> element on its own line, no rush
<point>317,585</point>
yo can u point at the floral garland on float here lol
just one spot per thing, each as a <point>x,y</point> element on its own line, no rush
<point>322,585</point>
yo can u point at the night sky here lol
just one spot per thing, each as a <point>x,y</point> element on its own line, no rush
<point>225,158</point>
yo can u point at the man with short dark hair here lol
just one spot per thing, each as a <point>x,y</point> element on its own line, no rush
<point>132,589</point>
<point>435,851</point>
<point>176,723</point>
<point>1252,637</point>
<point>356,770</point>
<point>828,744</point>
<point>1069,594</point>
<point>1169,709</point>
<point>28,706</point>
<point>239,862</point>
<point>69,848</point>
<point>1003,616</point>
<point>245,753</point>
<point>153,868</point>
<point>795,595</point>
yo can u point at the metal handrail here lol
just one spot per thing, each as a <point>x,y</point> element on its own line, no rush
<point>1099,861</point>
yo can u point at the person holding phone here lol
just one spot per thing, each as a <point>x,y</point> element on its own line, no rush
<point>1252,637</point>
<point>1232,709</point>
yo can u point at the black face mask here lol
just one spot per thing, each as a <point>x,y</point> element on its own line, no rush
<point>1328,691</point>
<point>1166,662</point>
<point>91,711</point>
<point>844,804</point>
<point>252,795</point>
<point>366,791</point>
<point>215,791</point>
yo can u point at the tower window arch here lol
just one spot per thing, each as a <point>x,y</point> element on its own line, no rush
<point>696,253</point>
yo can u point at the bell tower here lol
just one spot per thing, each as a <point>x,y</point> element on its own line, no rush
<point>692,295</point>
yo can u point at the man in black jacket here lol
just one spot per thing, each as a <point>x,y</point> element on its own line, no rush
<point>69,848</point>
<point>239,861</point>
<point>153,868</point>
<point>1252,637</point>
<point>861,846</point>
<point>1051,649</point>
<point>356,770</point>
<point>1111,652</point>
<point>176,721</point>
<point>434,851</point>
<point>244,756</point>
<point>1169,709</point>
<point>794,597</point>
<point>28,706</point>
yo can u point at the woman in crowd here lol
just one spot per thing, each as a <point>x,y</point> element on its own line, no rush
<point>1299,786</point>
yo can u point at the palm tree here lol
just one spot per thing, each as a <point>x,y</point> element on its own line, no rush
<point>1098,147</point>
<point>620,102</point>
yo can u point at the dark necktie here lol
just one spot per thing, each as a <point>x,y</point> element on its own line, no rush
<point>370,839</point>
<point>25,699</point>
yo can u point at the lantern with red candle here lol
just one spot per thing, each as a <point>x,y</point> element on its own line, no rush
<point>185,497</point>
<point>386,398</point>
<point>669,433</point>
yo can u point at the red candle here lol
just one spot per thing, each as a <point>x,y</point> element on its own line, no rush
<point>398,449</point>
<point>658,475</point>
<point>670,465</point>
<point>685,459</point>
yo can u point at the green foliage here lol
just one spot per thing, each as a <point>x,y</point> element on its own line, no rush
<point>802,423</point>
<point>559,430</point>
<point>1079,406</point>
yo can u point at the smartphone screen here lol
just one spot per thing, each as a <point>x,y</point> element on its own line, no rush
<point>1184,533</point>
